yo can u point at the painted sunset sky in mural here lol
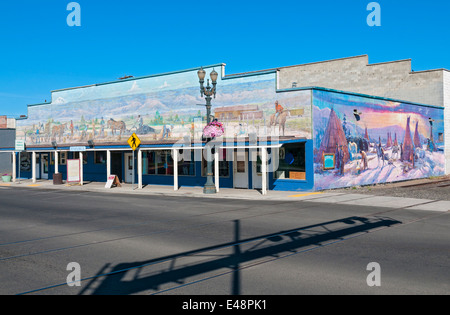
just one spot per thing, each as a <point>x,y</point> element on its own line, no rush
<point>374,141</point>
<point>165,107</point>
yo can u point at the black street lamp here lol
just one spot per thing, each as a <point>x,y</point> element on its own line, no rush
<point>208,92</point>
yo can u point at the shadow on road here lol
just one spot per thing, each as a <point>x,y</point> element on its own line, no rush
<point>176,270</point>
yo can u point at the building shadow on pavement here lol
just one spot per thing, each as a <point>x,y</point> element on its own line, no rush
<point>165,274</point>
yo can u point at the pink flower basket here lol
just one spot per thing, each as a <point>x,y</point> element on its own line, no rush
<point>213,130</point>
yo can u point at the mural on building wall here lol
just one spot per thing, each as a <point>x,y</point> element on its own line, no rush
<point>166,108</point>
<point>372,141</point>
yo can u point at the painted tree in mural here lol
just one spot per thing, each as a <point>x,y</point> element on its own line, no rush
<point>389,140</point>
<point>430,145</point>
<point>158,119</point>
<point>345,128</point>
<point>408,146</point>
<point>333,139</point>
<point>417,143</point>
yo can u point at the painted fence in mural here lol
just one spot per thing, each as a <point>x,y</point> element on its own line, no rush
<point>166,107</point>
<point>363,141</point>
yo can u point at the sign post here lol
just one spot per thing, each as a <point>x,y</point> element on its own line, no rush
<point>134,143</point>
<point>19,146</point>
<point>20,166</point>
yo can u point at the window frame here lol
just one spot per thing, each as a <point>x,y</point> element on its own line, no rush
<point>222,159</point>
<point>105,158</point>
<point>282,153</point>
<point>62,158</point>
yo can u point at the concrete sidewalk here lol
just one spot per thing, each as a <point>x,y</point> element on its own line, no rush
<point>248,194</point>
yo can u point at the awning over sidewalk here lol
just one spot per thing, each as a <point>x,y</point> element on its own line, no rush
<point>175,148</point>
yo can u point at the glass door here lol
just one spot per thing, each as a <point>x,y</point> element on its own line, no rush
<point>240,169</point>
<point>44,165</point>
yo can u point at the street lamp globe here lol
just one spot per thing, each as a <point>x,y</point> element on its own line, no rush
<point>214,76</point>
<point>201,74</point>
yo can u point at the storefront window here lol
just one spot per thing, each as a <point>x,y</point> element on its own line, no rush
<point>62,158</point>
<point>186,168</point>
<point>25,161</point>
<point>158,162</point>
<point>291,162</point>
<point>224,165</point>
<point>76,155</point>
<point>100,157</point>
<point>258,164</point>
<point>148,163</point>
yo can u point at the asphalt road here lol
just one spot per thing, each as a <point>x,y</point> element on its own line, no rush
<point>135,244</point>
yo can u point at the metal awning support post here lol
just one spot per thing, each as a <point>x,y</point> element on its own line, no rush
<point>56,162</point>
<point>139,169</point>
<point>13,175</point>
<point>81,168</point>
<point>216,168</point>
<point>33,167</point>
<point>264,170</point>
<point>175,169</point>
<point>108,163</point>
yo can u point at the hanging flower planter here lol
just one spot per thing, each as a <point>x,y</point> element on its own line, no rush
<point>213,130</point>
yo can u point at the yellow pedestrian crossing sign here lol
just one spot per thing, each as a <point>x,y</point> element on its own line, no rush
<point>134,141</point>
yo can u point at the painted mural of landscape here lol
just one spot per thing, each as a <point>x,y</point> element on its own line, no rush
<point>165,108</point>
<point>375,141</point>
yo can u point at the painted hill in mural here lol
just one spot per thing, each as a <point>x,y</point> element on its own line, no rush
<point>321,117</point>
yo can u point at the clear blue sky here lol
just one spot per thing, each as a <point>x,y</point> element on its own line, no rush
<point>40,52</point>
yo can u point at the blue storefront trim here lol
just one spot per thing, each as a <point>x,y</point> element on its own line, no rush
<point>97,172</point>
<point>293,184</point>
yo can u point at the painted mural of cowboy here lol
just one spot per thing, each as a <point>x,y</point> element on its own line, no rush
<point>278,110</point>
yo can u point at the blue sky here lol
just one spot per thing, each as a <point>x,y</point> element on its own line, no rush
<point>41,53</point>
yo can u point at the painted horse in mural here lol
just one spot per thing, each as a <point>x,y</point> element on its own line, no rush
<point>419,154</point>
<point>116,126</point>
<point>381,155</point>
<point>59,131</point>
<point>280,121</point>
<point>46,132</point>
<point>364,161</point>
<point>396,151</point>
